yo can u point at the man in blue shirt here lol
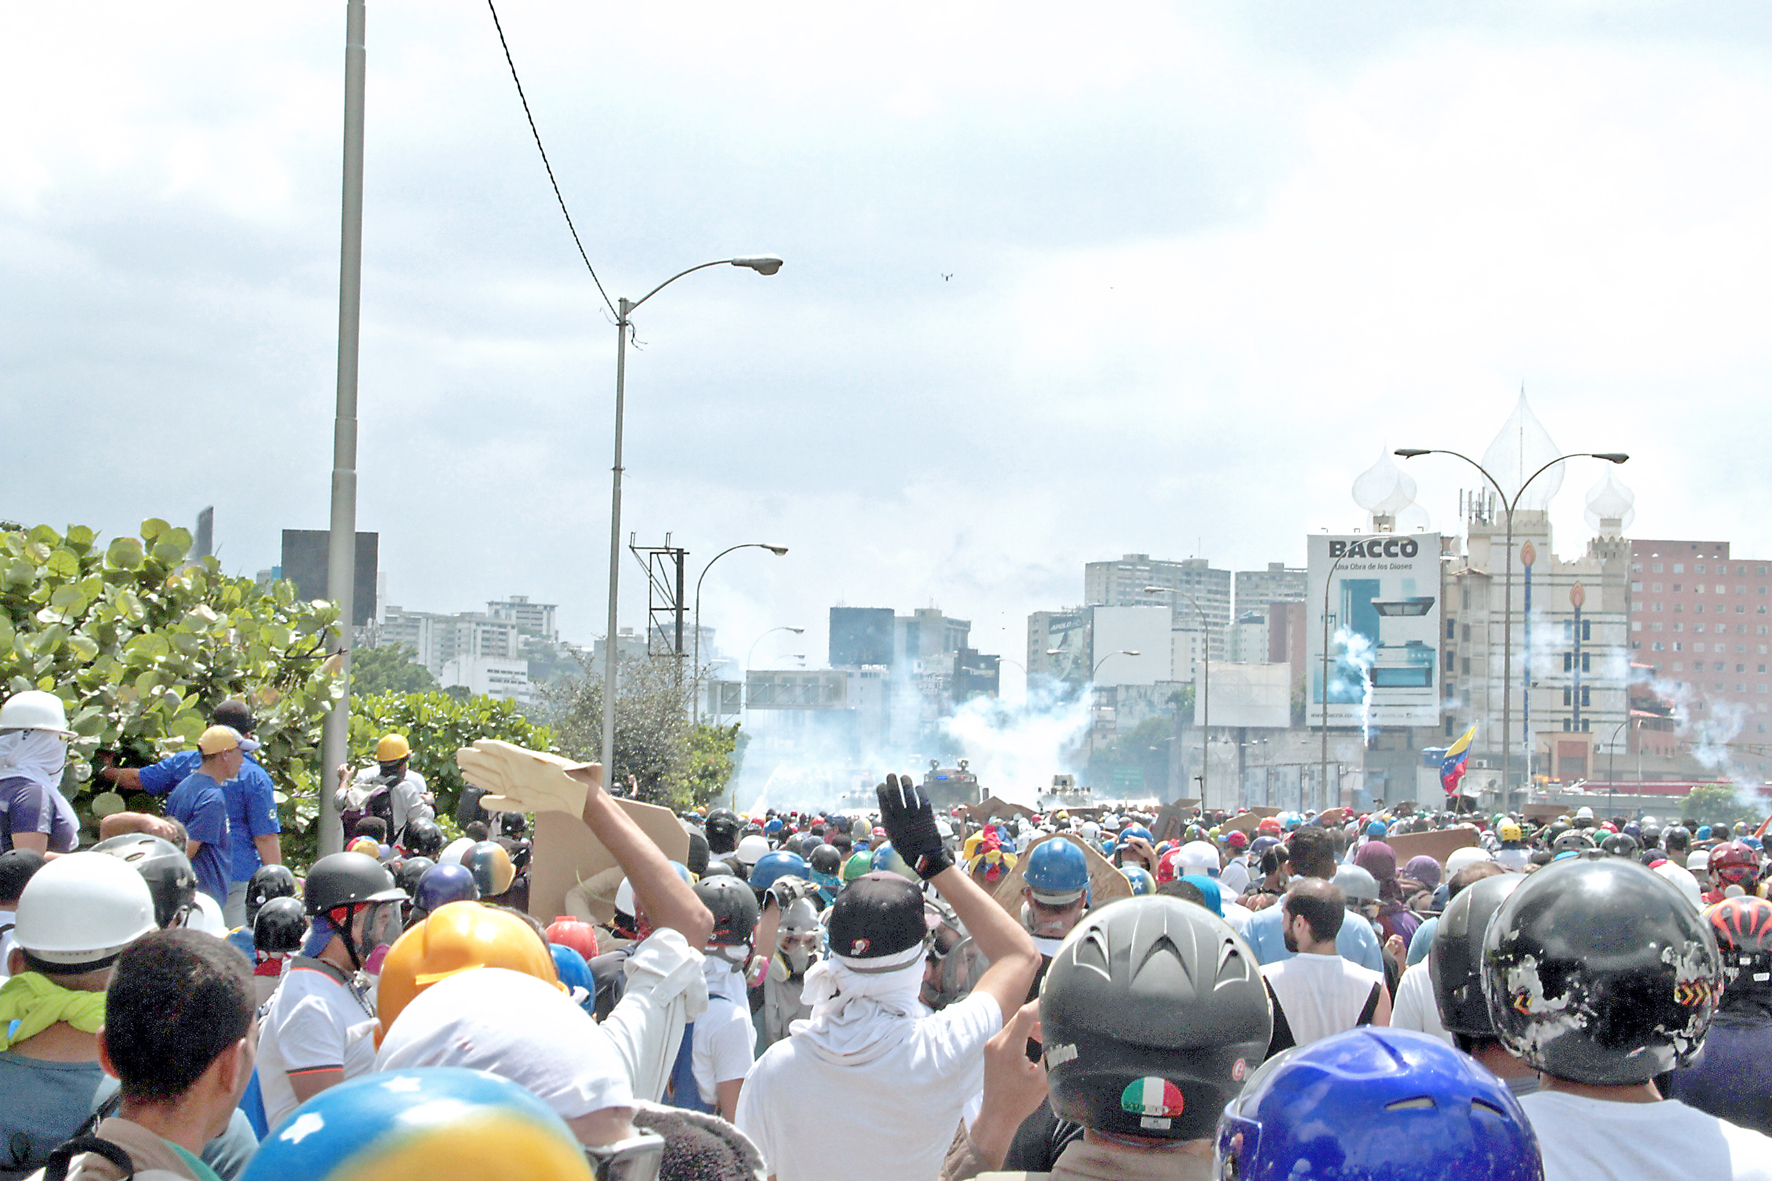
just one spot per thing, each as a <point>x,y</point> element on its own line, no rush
<point>200,805</point>
<point>1312,855</point>
<point>253,826</point>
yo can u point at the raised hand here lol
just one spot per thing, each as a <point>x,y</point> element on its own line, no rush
<point>909,821</point>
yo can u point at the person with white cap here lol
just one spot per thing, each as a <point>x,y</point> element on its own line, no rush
<point>75,916</point>
<point>34,738</point>
<point>201,804</point>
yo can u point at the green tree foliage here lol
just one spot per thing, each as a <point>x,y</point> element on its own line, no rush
<point>141,644</point>
<point>660,755</point>
<point>1718,804</point>
<point>388,670</point>
<point>1140,754</point>
<point>437,725</point>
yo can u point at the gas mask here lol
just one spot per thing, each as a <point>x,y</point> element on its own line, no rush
<point>799,951</point>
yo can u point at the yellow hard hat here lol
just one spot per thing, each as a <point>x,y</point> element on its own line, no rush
<point>455,938</point>
<point>392,748</point>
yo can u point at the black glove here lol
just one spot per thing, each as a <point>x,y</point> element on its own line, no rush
<point>909,821</point>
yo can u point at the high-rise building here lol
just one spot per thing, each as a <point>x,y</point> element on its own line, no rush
<point>1196,594</point>
<point>532,619</point>
<point>861,636</point>
<point>1259,589</point>
<point>1699,624</point>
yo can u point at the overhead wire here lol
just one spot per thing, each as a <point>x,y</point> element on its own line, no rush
<point>558,196</point>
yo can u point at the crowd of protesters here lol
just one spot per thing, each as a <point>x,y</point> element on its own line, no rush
<point>900,992</point>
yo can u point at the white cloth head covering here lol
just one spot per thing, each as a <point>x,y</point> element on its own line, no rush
<point>517,1027</point>
<point>37,755</point>
<point>857,1003</point>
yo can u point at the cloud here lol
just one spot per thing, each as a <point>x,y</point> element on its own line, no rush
<point>1200,266</point>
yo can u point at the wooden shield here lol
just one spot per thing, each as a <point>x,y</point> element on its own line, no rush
<point>1438,845</point>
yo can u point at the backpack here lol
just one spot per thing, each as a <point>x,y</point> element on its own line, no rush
<point>62,1159</point>
<point>379,801</point>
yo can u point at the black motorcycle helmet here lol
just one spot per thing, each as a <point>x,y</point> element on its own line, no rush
<point>407,873</point>
<point>1677,840</point>
<point>344,882</point>
<point>722,828</point>
<point>1553,830</point>
<point>1455,961</point>
<point>697,858</point>
<point>280,926</point>
<point>735,910</point>
<point>424,838</point>
<point>1620,844</point>
<point>1153,1013</point>
<point>267,882</point>
<point>1743,928</point>
<point>826,859</point>
<point>1597,970</point>
<point>168,872</point>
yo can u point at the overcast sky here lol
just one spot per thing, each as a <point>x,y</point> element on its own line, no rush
<point>1062,282</point>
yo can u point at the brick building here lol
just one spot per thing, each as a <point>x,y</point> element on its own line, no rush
<point>1699,620</point>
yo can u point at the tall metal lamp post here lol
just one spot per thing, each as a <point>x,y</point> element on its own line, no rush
<point>1323,766</point>
<point>779,551</point>
<point>763,264</point>
<point>1507,611</point>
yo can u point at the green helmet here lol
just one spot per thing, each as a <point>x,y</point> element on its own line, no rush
<point>858,864</point>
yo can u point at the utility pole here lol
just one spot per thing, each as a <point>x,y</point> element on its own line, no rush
<point>341,555</point>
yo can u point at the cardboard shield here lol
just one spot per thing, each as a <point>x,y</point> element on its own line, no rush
<point>570,861</point>
<point>1105,882</point>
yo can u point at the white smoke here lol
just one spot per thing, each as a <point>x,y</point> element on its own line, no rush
<point>1356,650</point>
<point>1015,750</point>
<point>797,759</point>
<point>1708,731</point>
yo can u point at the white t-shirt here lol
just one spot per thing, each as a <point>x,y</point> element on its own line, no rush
<point>1321,994</point>
<point>313,1022</point>
<point>725,1040</point>
<point>1585,1139</point>
<point>1415,1007</point>
<point>896,1107</point>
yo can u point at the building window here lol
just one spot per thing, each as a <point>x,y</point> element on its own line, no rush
<point>1741,590</point>
<point>1679,627</point>
<point>1465,632</point>
<point>1465,665</point>
<point>1565,723</point>
<point>1449,661</point>
<point>1677,666</point>
<point>1656,626</point>
<point>1655,647</point>
<point>1656,587</point>
<point>1448,727</point>
<point>1699,568</point>
<point>1677,646</point>
<point>1741,668</point>
<point>1636,588</point>
<point>1676,588</point>
<point>1656,568</point>
<point>1636,625</point>
<point>1585,696</point>
<point>1679,568</point>
<point>1636,568</point>
<point>1740,688</point>
<point>1654,606</point>
<point>1568,661</point>
<point>1698,647</point>
<point>1568,695</point>
<point>1587,630</point>
<point>1451,628</point>
<point>1741,608</point>
<point>1698,609</point>
<point>1586,661</point>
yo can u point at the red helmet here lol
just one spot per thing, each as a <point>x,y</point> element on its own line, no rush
<point>1166,866</point>
<point>1270,824</point>
<point>1237,838</point>
<point>1733,863</point>
<point>1743,927</point>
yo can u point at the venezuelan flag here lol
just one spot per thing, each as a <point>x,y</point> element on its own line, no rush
<point>1452,766</point>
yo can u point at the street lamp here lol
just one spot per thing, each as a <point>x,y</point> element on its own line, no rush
<point>1612,757</point>
<point>1507,609</point>
<point>779,551</point>
<point>1205,681</point>
<point>1092,672</point>
<point>763,264</point>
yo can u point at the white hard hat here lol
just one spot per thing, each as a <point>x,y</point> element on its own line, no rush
<point>1199,857</point>
<point>1698,862</point>
<point>34,709</point>
<point>1584,813</point>
<point>1469,855</point>
<point>1684,882</point>
<point>205,915</point>
<point>751,848</point>
<point>83,907</point>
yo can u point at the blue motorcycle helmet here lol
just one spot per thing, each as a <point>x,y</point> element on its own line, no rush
<point>1376,1102</point>
<point>1056,872</point>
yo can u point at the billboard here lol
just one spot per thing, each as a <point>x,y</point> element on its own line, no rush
<point>1383,621</point>
<point>1254,695</point>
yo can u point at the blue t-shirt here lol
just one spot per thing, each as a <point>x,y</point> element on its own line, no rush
<point>42,1103</point>
<point>1356,941</point>
<point>1423,942</point>
<point>200,805</point>
<point>28,806</point>
<point>252,806</point>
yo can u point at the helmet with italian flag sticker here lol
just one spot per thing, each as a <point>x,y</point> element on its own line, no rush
<point>1153,1014</point>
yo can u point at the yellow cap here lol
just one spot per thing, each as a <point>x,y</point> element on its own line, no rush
<point>392,748</point>
<point>217,739</point>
